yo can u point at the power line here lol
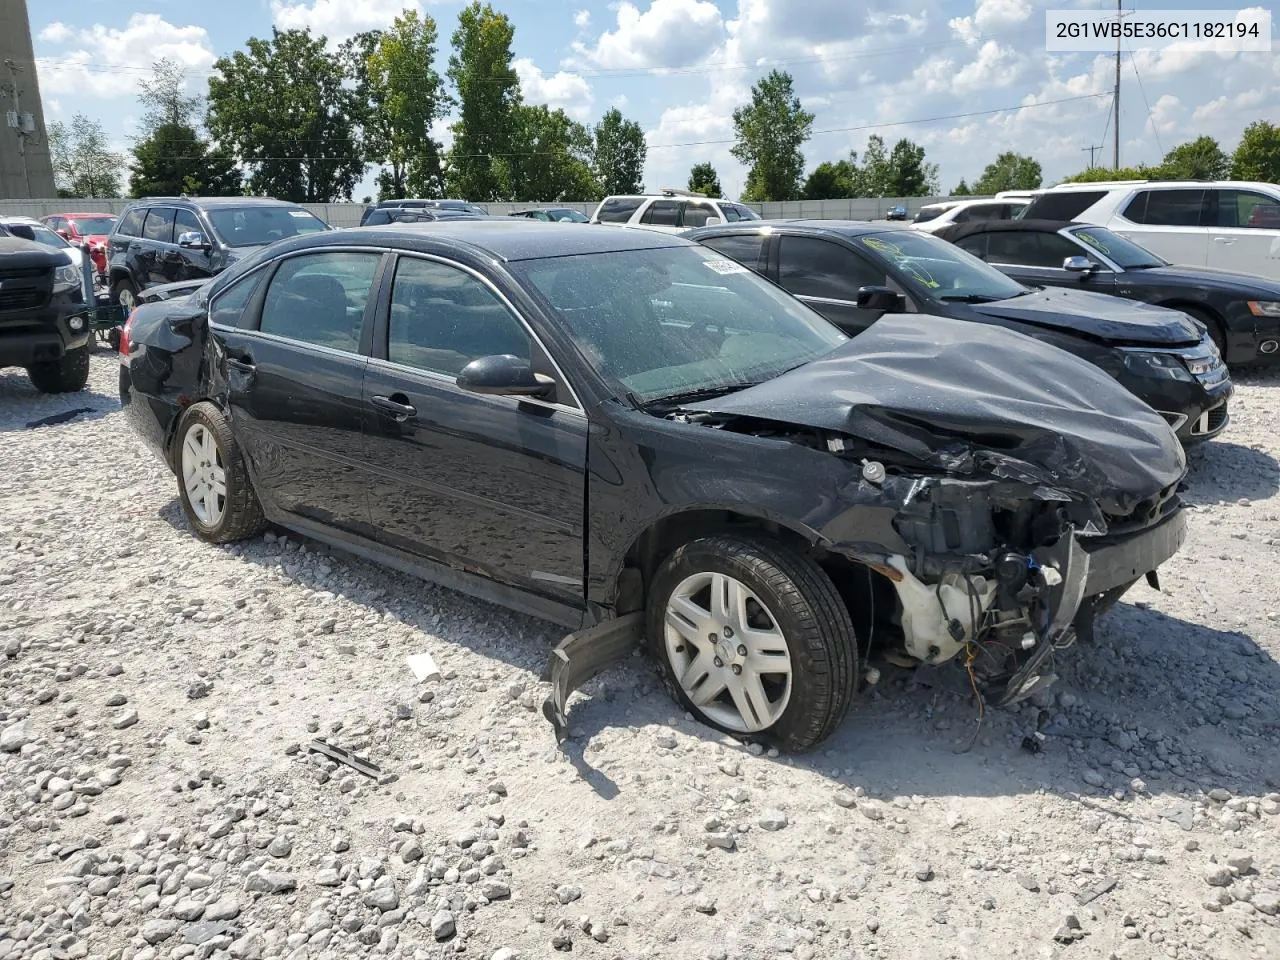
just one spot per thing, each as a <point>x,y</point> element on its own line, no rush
<point>1133,61</point>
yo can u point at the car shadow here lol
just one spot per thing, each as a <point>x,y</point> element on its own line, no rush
<point>1144,700</point>
<point>1221,470</point>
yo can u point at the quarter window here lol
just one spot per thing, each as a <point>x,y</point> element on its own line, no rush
<point>159,225</point>
<point>618,209</point>
<point>810,267</point>
<point>743,247</point>
<point>320,299</point>
<point>228,308</point>
<point>131,225</point>
<point>442,318</point>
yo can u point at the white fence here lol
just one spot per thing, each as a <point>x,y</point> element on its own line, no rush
<point>348,214</point>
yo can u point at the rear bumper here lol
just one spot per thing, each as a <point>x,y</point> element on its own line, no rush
<point>1116,561</point>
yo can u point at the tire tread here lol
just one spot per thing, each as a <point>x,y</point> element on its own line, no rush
<point>244,517</point>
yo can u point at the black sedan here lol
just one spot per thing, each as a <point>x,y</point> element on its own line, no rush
<point>553,215</point>
<point>1242,311</point>
<point>636,437</point>
<point>853,273</point>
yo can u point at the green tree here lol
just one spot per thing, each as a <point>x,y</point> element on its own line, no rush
<point>1098,174</point>
<point>551,158</point>
<point>1198,159</point>
<point>1009,171</point>
<point>164,99</point>
<point>620,152</point>
<point>832,181</point>
<point>400,95</point>
<point>961,189</point>
<point>282,107</point>
<point>175,160</point>
<point>488,93</point>
<point>1258,155</point>
<point>83,163</point>
<point>769,133</point>
<point>875,171</point>
<point>909,174</point>
<point>703,179</point>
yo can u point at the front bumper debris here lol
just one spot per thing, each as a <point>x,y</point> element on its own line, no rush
<point>581,656</point>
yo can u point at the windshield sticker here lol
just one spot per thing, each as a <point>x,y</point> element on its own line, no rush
<point>300,214</point>
<point>1093,242</point>
<point>725,267</point>
<point>882,246</point>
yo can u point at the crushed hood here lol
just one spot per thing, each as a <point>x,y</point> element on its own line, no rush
<point>976,399</point>
<point>1097,316</point>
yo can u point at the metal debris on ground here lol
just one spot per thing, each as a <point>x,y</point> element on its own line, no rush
<point>1093,892</point>
<point>345,757</point>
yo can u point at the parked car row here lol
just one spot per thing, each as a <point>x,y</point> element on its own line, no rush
<point>646,437</point>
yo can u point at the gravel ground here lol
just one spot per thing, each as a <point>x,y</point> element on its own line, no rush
<point>157,799</point>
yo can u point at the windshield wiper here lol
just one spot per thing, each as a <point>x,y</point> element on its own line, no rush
<point>970,298</point>
<point>702,393</point>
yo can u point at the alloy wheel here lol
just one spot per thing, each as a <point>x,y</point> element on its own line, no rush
<point>204,475</point>
<point>728,652</point>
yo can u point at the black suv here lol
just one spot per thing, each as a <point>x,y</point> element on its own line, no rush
<point>369,218</point>
<point>44,326</point>
<point>170,239</point>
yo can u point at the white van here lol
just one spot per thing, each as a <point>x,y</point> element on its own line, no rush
<point>1231,225</point>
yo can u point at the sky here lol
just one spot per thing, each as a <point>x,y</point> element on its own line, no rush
<point>974,71</point>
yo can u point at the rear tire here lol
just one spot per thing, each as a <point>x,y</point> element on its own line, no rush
<point>213,482</point>
<point>67,374</point>
<point>717,597</point>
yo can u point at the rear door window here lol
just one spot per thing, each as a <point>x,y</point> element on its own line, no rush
<point>1166,208</point>
<point>159,225</point>
<point>1031,249</point>
<point>320,298</point>
<point>813,267</point>
<point>695,214</point>
<point>662,213</point>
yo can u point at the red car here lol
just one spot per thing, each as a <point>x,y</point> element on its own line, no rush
<point>88,229</point>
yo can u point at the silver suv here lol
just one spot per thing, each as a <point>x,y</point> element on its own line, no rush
<point>672,211</point>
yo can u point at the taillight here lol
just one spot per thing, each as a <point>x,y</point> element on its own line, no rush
<point>124,335</point>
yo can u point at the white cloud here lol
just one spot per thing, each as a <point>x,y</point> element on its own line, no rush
<point>339,19</point>
<point>108,62</point>
<point>671,33</point>
<point>56,32</point>
<point>568,91</point>
<point>582,19</point>
<point>993,12</point>
<point>994,67</point>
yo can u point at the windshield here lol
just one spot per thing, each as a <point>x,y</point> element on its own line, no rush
<point>255,226</point>
<point>938,269</point>
<point>1125,254</point>
<point>569,216</point>
<point>88,226</point>
<point>676,321</point>
<point>39,233</point>
<point>929,213</point>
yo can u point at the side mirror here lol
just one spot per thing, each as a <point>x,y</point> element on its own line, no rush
<point>64,233</point>
<point>1078,265</point>
<point>504,375</point>
<point>713,221</point>
<point>192,239</point>
<point>884,299</point>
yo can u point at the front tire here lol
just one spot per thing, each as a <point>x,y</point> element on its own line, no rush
<point>217,495</point>
<point>753,638</point>
<point>67,374</point>
<point>1216,333</point>
<point>125,294</point>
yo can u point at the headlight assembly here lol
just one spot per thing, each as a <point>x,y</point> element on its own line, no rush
<point>66,278</point>
<point>1265,308</point>
<point>1162,365</point>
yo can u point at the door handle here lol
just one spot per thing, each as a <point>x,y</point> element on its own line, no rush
<point>1227,240</point>
<point>399,411</point>
<point>244,366</point>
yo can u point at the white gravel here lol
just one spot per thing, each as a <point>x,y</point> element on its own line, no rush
<point>157,799</point>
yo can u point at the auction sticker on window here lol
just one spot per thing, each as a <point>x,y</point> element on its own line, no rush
<point>724,267</point>
<point>1226,31</point>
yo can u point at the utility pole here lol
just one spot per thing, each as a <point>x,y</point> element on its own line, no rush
<point>22,131</point>
<point>1091,151</point>
<point>1115,103</point>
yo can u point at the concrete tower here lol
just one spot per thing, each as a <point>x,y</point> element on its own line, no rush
<point>26,170</point>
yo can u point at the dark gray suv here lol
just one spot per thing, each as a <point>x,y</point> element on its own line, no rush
<point>174,239</point>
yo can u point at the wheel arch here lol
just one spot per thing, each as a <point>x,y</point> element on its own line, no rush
<point>1197,309</point>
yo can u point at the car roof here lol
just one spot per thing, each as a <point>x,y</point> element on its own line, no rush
<point>842,228</point>
<point>215,202</point>
<point>960,230</point>
<point>15,218</point>
<point>85,213</point>
<point>500,237</point>
<point>1162,184</point>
